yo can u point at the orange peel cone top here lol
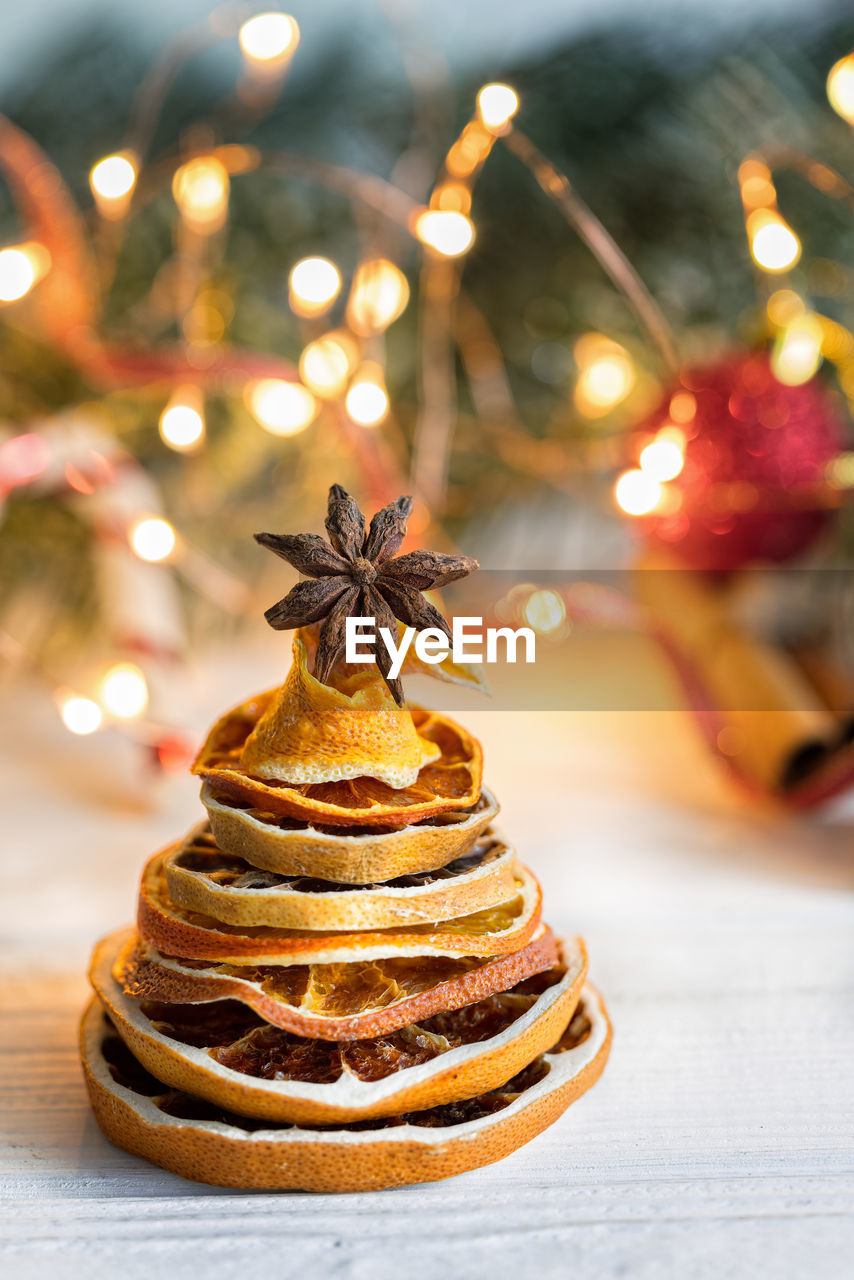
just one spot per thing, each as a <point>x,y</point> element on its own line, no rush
<point>314,732</point>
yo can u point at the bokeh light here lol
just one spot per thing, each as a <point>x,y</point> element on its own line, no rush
<point>662,458</point>
<point>200,188</point>
<point>840,88</point>
<point>606,375</point>
<point>544,610</point>
<point>496,106</point>
<point>379,294</point>
<point>79,715</point>
<point>124,692</point>
<point>20,269</point>
<point>313,286</point>
<point>637,493</point>
<point>367,399</point>
<point>449,233</point>
<point>683,406</point>
<point>326,364</point>
<point>756,184</point>
<point>454,197</point>
<point>773,243</point>
<point>112,181</point>
<point>152,538</point>
<point>269,37</point>
<point>282,408</point>
<point>797,352</point>
<point>182,422</point>
<point>839,472</point>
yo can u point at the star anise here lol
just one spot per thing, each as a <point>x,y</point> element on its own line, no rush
<point>356,574</point>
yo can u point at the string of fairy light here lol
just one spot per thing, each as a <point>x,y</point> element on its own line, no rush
<point>332,367</point>
<point>803,338</point>
<point>341,365</point>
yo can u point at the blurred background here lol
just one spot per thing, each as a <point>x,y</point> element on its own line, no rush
<point>578,276</point>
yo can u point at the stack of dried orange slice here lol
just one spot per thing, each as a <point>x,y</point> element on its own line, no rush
<point>341,979</point>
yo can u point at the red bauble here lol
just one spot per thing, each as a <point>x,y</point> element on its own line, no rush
<point>756,451</point>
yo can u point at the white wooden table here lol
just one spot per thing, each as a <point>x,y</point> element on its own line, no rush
<point>719,1143</point>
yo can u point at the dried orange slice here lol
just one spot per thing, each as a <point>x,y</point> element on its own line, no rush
<point>226,1053</point>
<point>349,1001</point>
<point>177,931</point>
<point>201,878</point>
<point>451,782</point>
<point>207,1142</point>
<point>349,855</point>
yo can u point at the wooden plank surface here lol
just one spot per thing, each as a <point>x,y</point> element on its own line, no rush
<point>719,1143</point>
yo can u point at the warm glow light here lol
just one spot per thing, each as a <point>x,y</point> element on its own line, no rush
<point>80,715</point>
<point>662,459</point>
<point>18,273</point>
<point>840,88</point>
<point>683,406</point>
<point>152,538</point>
<point>282,408</point>
<point>496,106</point>
<point>797,353</point>
<point>452,196</point>
<point>637,493</point>
<point>470,150</point>
<point>609,380</point>
<point>773,243</point>
<point>367,399</point>
<point>124,692</point>
<point>313,286</point>
<point>840,471</point>
<point>269,37</point>
<point>544,611</point>
<point>182,423</point>
<point>326,364</point>
<point>758,193</point>
<point>450,234</point>
<point>379,295</point>
<point>757,187</point>
<point>783,306</point>
<point>605,377</point>
<point>112,181</point>
<point>200,188</point>
<point>837,342</point>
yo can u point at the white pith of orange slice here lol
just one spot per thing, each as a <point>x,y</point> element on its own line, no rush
<point>294,848</point>
<point>459,1072</point>
<point>201,878</point>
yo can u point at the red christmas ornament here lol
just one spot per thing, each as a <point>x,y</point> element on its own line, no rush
<point>752,488</point>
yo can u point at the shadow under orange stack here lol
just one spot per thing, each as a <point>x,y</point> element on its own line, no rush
<point>341,980</point>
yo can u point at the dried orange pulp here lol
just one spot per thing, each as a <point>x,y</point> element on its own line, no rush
<point>206,1142</point>
<point>226,1052</point>
<point>344,1001</point>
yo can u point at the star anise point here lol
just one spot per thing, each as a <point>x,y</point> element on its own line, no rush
<point>358,574</point>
